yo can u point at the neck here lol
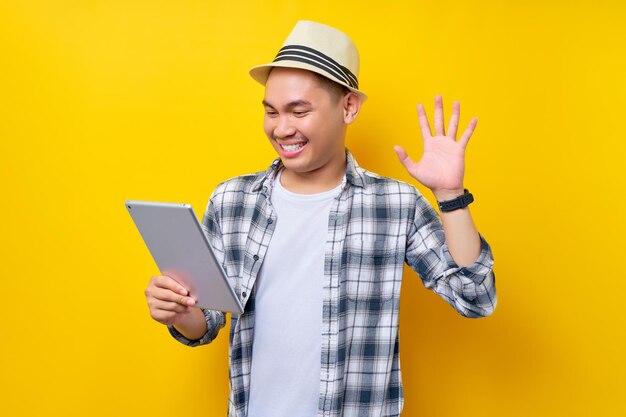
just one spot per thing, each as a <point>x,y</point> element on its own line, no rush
<point>316,181</point>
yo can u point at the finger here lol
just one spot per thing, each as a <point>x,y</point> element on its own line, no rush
<point>423,120</point>
<point>168,306</point>
<point>404,157</point>
<point>164,294</point>
<point>438,118</point>
<point>453,125</point>
<point>468,132</point>
<point>163,281</point>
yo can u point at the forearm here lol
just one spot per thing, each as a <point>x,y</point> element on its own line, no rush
<point>462,237</point>
<point>449,261</point>
<point>194,325</point>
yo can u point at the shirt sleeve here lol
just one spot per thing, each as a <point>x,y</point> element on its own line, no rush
<point>215,320</point>
<point>470,289</point>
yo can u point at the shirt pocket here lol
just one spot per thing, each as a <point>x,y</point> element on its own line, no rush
<point>372,270</point>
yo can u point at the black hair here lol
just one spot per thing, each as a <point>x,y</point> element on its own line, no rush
<point>336,90</point>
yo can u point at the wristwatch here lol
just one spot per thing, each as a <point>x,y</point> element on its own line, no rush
<point>457,203</point>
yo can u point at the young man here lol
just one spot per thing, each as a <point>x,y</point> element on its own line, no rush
<point>315,247</point>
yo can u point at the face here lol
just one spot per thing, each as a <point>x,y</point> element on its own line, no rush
<point>305,124</point>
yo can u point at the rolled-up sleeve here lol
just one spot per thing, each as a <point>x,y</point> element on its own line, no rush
<point>215,321</point>
<point>469,289</point>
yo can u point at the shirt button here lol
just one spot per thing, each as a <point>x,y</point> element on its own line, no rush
<point>243,294</point>
<point>270,221</point>
<point>256,257</point>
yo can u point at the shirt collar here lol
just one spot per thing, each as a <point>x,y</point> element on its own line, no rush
<point>354,173</point>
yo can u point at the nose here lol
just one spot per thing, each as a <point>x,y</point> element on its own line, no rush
<point>284,128</point>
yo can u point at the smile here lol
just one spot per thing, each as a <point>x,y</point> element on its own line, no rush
<point>293,147</point>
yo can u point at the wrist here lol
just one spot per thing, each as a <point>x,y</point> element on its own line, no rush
<point>456,203</point>
<point>445,195</point>
<point>193,326</point>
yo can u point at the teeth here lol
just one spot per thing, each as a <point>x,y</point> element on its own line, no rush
<point>294,147</point>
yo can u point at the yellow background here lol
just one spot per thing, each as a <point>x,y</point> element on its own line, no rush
<point>102,101</point>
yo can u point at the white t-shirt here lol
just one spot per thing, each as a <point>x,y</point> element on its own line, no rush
<point>286,353</point>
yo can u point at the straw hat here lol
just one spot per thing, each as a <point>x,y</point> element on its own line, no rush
<point>319,48</point>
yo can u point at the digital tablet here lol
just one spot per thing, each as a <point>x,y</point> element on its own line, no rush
<point>182,251</point>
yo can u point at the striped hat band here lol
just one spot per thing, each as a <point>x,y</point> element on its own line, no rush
<point>319,60</point>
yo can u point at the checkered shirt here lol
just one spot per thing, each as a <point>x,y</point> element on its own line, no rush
<point>376,224</point>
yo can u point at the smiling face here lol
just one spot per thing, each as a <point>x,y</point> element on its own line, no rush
<point>306,124</point>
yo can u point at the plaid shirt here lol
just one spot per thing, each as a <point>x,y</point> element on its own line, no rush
<point>376,224</point>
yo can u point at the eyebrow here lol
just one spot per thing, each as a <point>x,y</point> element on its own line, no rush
<point>290,105</point>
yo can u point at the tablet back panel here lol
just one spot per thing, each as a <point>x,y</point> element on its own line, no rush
<point>181,250</point>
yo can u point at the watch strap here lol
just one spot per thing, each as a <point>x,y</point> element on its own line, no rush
<point>457,203</point>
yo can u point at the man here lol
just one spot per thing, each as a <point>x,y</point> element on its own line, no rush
<point>315,247</point>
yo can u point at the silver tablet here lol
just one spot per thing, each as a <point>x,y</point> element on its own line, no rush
<point>182,251</point>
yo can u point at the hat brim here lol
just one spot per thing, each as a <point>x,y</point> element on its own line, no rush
<point>260,73</point>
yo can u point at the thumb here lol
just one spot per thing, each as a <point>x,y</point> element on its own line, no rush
<point>403,156</point>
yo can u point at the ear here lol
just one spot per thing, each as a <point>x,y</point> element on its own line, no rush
<point>351,105</point>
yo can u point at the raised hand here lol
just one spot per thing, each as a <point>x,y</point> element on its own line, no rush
<point>442,165</point>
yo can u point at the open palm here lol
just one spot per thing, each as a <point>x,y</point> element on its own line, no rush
<point>442,165</point>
